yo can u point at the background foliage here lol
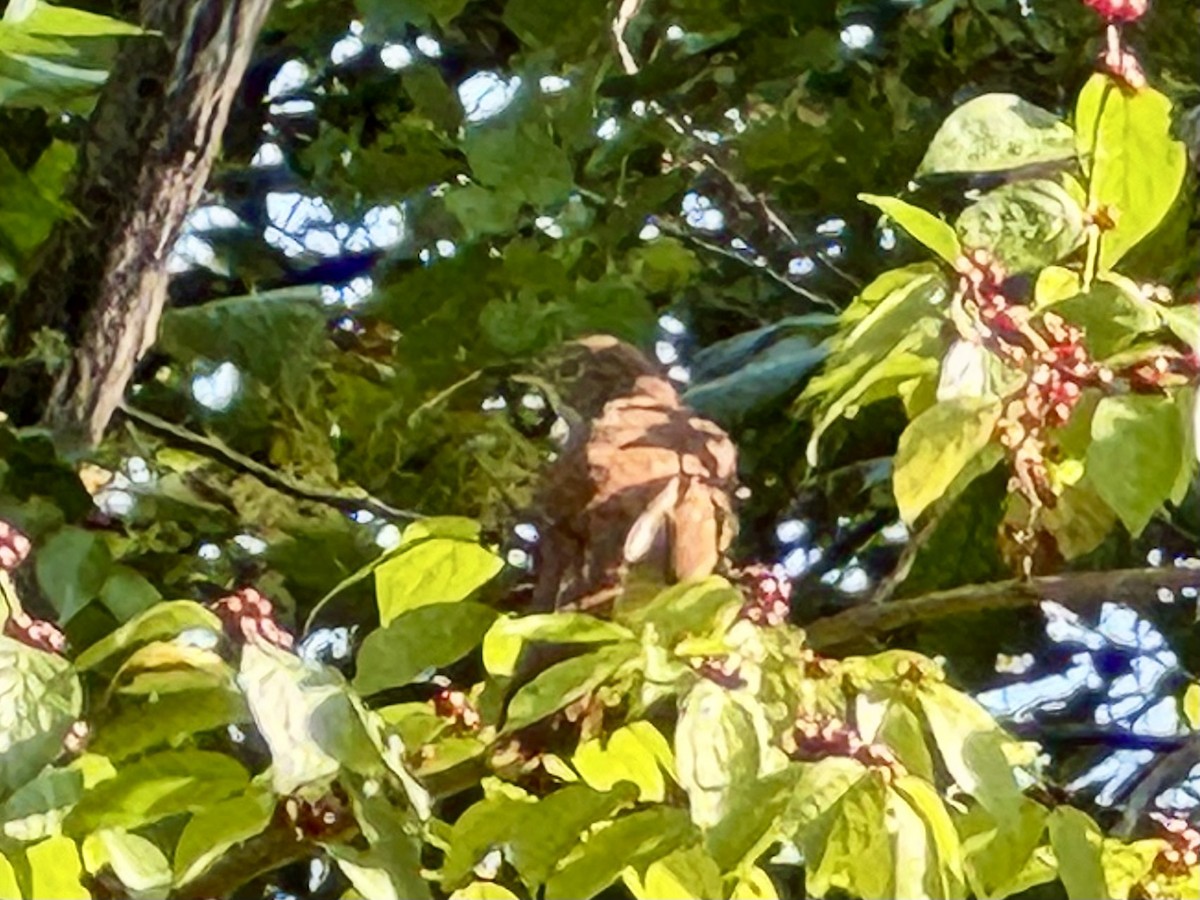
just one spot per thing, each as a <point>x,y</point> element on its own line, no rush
<point>418,201</point>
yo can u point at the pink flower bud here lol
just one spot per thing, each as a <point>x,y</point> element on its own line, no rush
<point>1119,10</point>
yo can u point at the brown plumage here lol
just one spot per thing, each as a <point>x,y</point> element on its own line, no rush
<point>642,480</point>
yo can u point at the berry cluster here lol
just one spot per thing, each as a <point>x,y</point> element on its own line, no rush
<point>1053,357</point>
<point>813,738</point>
<point>768,592</point>
<point>14,546</point>
<point>35,632</point>
<point>322,820</point>
<point>724,670</point>
<point>1119,10</point>
<point>248,613</point>
<point>1184,850</point>
<point>76,739</point>
<point>453,704</point>
<point>1166,369</point>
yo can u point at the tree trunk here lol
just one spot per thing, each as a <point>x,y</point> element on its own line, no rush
<point>151,145</point>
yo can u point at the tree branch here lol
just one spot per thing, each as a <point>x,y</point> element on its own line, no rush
<point>151,144</point>
<point>215,448</point>
<point>1161,775</point>
<point>1074,590</point>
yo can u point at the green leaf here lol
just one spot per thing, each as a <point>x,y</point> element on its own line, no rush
<point>164,621</point>
<point>1184,321</point>
<point>126,593</point>
<point>632,840</point>
<point>932,867</point>
<point>520,158</point>
<point>168,719</point>
<point>1191,706</point>
<point>971,746</point>
<point>997,133</point>
<point>390,869</point>
<point>55,870</point>
<point>437,570</point>
<point>8,880</point>
<point>1054,284</point>
<point>40,698</point>
<point>36,810</point>
<point>754,818</point>
<point>484,890</point>
<point>849,847</point>
<point>533,836</point>
<point>72,568</point>
<point>1110,316</point>
<point>1128,865</point>
<point>754,884</point>
<point>1135,167</point>
<point>310,721</point>
<point>1136,455</point>
<point>136,861</point>
<point>508,635</point>
<point>772,373</point>
<point>389,16</point>
<point>428,637</point>
<point>901,731</point>
<point>156,787</point>
<point>62,21</point>
<point>924,226</point>
<point>216,828</point>
<point>1026,225</point>
<point>688,874</point>
<point>888,336</point>
<point>1077,844</point>
<point>562,684</point>
<point>1001,861</point>
<point>637,753</point>
<point>688,608</point>
<point>717,751</point>
<point>936,447</point>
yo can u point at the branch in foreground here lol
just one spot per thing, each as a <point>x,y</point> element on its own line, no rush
<point>1161,775</point>
<point>1075,590</point>
<point>214,448</point>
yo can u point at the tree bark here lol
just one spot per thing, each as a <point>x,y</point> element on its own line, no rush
<point>151,145</point>
<point>1076,591</point>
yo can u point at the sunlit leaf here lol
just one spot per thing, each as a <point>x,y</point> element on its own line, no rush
<point>997,133</point>
<point>1136,454</point>
<point>40,698</point>
<point>158,786</point>
<point>219,826</point>
<point>924,226</point>
<point>438,570</point>
<point>55,870</point>
<point>937,447</point>
<point>564,683</point>
<point>508,635</point>
<point>1026,225</point>
<point>1120,131</point>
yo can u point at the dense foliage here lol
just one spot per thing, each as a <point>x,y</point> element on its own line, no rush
<point>932,265</point>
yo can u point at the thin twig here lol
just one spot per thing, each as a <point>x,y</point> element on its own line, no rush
<point>777,277</point>
<point>706,161</point>
<point>628,9</point>
<point>215,448</point>
<point>1074,590</point>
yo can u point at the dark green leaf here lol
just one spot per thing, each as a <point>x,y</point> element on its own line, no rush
<point>427,637</point>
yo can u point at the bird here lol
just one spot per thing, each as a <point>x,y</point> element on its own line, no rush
<point>642,480</point>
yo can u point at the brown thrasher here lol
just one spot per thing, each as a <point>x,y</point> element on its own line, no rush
<point>642,480</point>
